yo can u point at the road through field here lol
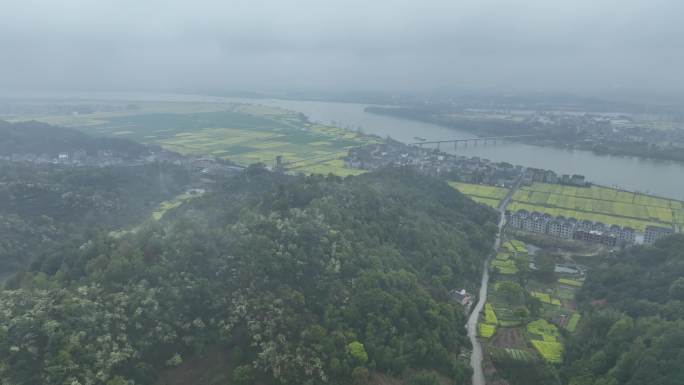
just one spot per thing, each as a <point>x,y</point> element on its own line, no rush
<point>471,326</point>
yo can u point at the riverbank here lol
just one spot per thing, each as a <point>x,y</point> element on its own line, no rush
<point>538,135</point>
<point>652,177</point>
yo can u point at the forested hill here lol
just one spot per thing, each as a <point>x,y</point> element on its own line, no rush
<point>633,331</point>
<point>45,205</point>
<point>39,138</point>
<point>268,280</point>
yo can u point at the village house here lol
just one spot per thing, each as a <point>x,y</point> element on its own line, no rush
<point>654,233</point>
<point>461,296</point>
<point>571,228</point>
<point>595,236</point>
<point>627,235</point>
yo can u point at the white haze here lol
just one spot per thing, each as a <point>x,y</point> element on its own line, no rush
<point>528,45</point>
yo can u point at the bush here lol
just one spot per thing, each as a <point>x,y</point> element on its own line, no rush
<point>424,378</point>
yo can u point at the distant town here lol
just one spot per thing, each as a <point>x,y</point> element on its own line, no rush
<point>205,165</point>
<point>471,170</point>
<point>476,170</point>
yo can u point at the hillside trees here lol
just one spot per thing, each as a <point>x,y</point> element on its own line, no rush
<point>304,280</point>
<point>633,332</point>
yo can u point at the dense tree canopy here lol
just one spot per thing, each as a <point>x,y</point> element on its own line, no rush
<point>42,204</point>
<point>41,138</point>
<point>633,331</point>
<point>303,280</point>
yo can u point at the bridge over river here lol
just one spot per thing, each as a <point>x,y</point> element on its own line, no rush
<point>484,140</point>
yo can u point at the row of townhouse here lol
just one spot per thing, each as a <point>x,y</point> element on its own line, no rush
<point>570,228</point>
<point>653,233</point>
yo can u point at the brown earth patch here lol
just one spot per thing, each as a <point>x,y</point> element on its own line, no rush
<point>563,321</point>
<point>569,304</point>
<point>509,338</point>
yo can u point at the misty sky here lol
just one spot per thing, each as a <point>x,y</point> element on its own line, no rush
<point>539,45</point>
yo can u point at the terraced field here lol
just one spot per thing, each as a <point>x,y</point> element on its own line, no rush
<point>502,264</point>
<point>597,203</point>
<point>486,330</point>
<point>520,333</point>
<point>545,339</point>
<point>572,324</point>
<point>488,195</point>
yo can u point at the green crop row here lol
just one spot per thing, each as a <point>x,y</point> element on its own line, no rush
<point>572,323</point>
<point>552,351</point>
<point>504,266</point>
<point>570,282</point>
<point>601,204</point>
<point>519,354</point>
<point>490,315</point>
<point>545,298</point>
<point>491,202</point>
<point>543,329</point>
<point>484,191</point>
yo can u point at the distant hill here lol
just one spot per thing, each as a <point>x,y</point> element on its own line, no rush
<point>45,204</point>
<point>41,138</point>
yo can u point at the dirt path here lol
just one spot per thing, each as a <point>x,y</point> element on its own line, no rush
<point>471,326</point>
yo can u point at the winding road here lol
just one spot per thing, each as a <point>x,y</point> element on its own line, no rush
<point>471,326</point>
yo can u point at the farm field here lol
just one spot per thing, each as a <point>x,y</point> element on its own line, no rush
<point>572,324</point>
<point>545,339</point>
<point>486,330</point>
<point>243,133</point>
<point>546,298</point>
<point>490,315</point>
<point>488,195</point>
<point>519,354</point>
<point>504,265</point>
<point>527,310</point>
<point>679,218</point>
<point>597,203</point>
<point>493,203</point>
<point>570,282</point>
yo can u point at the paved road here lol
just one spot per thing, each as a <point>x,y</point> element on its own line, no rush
<point>476,356</point>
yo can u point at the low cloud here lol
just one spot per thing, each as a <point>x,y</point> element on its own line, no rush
<point>527,45</point>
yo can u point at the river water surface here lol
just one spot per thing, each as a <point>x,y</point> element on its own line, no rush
<point>647,176</point>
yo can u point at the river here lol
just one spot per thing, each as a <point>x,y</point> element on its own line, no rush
<point>649,176</point>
